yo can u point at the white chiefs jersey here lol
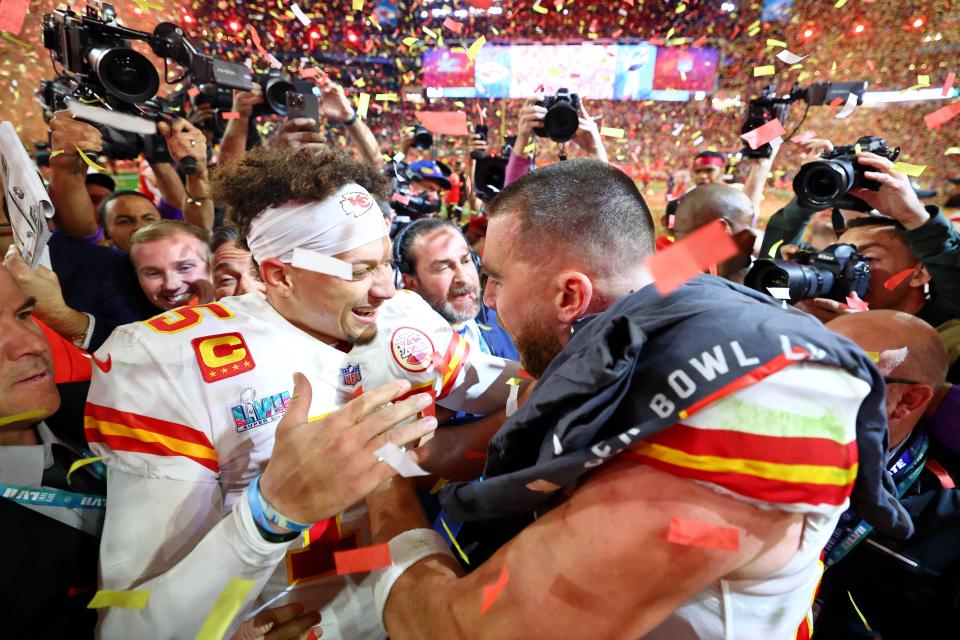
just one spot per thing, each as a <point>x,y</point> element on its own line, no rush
<point>185,406</point>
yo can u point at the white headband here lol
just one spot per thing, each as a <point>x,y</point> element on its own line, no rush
<point>308,234</point>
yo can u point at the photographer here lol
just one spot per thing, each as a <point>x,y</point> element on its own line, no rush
<point>907,236</point>
<point>234,141</point>
<point>532,117</point>
<point>336,108</point>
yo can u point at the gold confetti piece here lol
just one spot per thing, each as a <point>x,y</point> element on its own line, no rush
<point>362,105</point>
<point>839,4</point>
<point>952,151</point>
<point>776,43</point>
<point>439,485</point>
<point>873,355</point>
<point>90,163</point>
<point>456,545</point>
<point>773,250</point>
<point>224,610</point>
<point>136,599</point>
<point>681,8</point>
<point>430,33</point>
<point>857,148</point>
<point>410,41</point>
<point>36,414</point>
<point>923,81</point>
<point>514,381</point>
<point>530,148</point>
<point>81,463</point>
<point>670,33</point>
<point>358,5</point>
<point>538,8</point>
<point>386,96</point>
<point>475,47</point>
<point>56,153</point>
<point>767,70</point>
<point>909,169</point>
<point>863,619</point>
<point>611,132</point>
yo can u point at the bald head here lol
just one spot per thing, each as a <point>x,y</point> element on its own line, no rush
<point>711,202</point>
<point>888,333</point>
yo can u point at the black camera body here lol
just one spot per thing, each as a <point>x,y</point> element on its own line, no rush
<point>422,138</point>
<point>275,86</point>
<point>834,273</point>
<point>563,116</point>
<point>769,105</point>
<point>411,205</point>
<point>826,183</point>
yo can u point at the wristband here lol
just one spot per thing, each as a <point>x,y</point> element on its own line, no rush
<point>265,532</point>
<point>269,518</point>
<point>349,121</point>
<point>406,549</point>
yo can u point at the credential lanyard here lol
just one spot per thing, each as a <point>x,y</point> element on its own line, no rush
<point>48,497</point>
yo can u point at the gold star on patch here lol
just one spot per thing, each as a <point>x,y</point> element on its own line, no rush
<point>213,373</point>
<point>236,367</point>
<point>224,370</point>
<point>246,363</point>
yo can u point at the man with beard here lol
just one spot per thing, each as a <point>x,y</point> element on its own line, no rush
<point>216,469</point>
<point>680,464</point>
<point>437,262</point>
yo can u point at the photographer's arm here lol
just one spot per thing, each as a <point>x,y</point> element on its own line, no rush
<point>73,210</point>
<point>234,142</point>
<point>183,140</point>
<point>337,109</point>
<point>169,183</point>
<point>786,226</point>
<point>756,181</point>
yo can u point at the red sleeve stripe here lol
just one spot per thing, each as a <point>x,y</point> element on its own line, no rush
<point>735,444</point>
<point>775,491</point>
<point>135,445</point>
<point>457,353</point>
<point>181,432</point>
<point>426,387</point>
<point>777,364</point>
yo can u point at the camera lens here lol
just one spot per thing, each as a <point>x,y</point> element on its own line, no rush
<point>422,138</point>
<point>802,281</point>
<point>275,94</point>
<point>561,121</point>
<point>125,73</point>
<point>819,184</point>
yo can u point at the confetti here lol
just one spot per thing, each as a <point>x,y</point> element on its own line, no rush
<point>230,115</point>
<point>538,7</point>
<point>453,25</point>
<point>86,159</point>
<point>773,250</point>
<point>764,134</point>
<point>362,560</point>
<point>948,84</point>
<point>513,397</point>
<point>225,609</point>
<point>363,104</point>
<point>803,137</point>
<point>439,485</point>
<point>358,5</point>
<point>492,591</point>
<point>36,414</point>
<point>12,14</point>
<point>611,132</point>
<point>475,47</point>
<point>952,151</point>
<point>941,116</point>
<point>849,107</point>
<point>909,169</point>
<point>780,293</point>
<point>897,279</point>
<point>81,463</point>
<point>135,599</point>
<point>678,263</point>
<point>856,304</point>
<point>776,43</point>
<point>300,15</point>
<point>789,58</point>
<point>692,533</point>
<point>452,123</point>
<point>456,545</point>
<point>766,70</point>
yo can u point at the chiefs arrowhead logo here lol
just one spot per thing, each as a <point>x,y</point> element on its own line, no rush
<point>103,365</point>
<point>356,203</point>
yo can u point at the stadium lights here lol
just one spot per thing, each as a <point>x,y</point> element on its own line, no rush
<point>917,23</point>
<point>727,7</point>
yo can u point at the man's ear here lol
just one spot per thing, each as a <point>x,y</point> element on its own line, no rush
<point>276,276</point>
<point>572,296</point>
<point>920,277</point>
<point>410,281</point>
<point>913,399</point>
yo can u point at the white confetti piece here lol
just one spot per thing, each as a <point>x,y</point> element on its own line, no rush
<point>789,57</point>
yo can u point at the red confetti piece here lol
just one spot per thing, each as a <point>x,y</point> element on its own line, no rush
<point>453,25</point>
<point>12,14</point>
<point>193,92</point>
<point>803,137</point>
<point>480,4</point>
<point>941,116</point>
<point>682,261</point>
<point>492,591</point>
<point>948,84</point>
<point>692,533</point>
<point>942,474</point>
<point>896,279</point>
<point>309,72</point>
<point>836,102</point>
<point>312,635</point>
<point>230,115</point>
<point>856,304</point>
<point>451,123</point>
<point>764,134</point>
<point>363,559</point>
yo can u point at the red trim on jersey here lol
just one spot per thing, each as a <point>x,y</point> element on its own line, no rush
<point>457,352</point>
<point>137,421</point>
<point>122,443</point>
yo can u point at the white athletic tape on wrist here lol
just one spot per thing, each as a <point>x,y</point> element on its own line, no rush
<point>406,549</point>
<point>398,460</point>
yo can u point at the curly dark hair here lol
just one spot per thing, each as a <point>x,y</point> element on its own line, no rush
<point>270,177</point>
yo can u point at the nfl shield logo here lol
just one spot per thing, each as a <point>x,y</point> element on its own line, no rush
<point>350,374</point>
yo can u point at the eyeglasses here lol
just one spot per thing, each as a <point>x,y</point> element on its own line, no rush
<point>899,381</point>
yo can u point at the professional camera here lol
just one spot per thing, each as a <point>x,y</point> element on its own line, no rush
<point>826,183</point>
<point>769,106</point>
<point>275,87</point>
<point>100,66</point>
<point>563,116</point>
<point>410,205</point>
<point>835,273</point>
<point>422,138</point>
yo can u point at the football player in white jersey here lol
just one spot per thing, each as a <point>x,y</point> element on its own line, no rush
<point>208,481</point>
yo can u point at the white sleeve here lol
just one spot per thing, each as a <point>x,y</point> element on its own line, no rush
<point>165,529</point>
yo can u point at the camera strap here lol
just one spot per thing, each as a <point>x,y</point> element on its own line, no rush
<point>851,529</point>
<point>838,222</point>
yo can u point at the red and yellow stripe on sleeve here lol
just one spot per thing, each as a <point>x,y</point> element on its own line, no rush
<point>778,469</point>
<point>125,431</point>
<point>453,359</point>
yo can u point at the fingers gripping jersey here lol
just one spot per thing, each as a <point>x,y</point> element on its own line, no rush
<point>185,406</point>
